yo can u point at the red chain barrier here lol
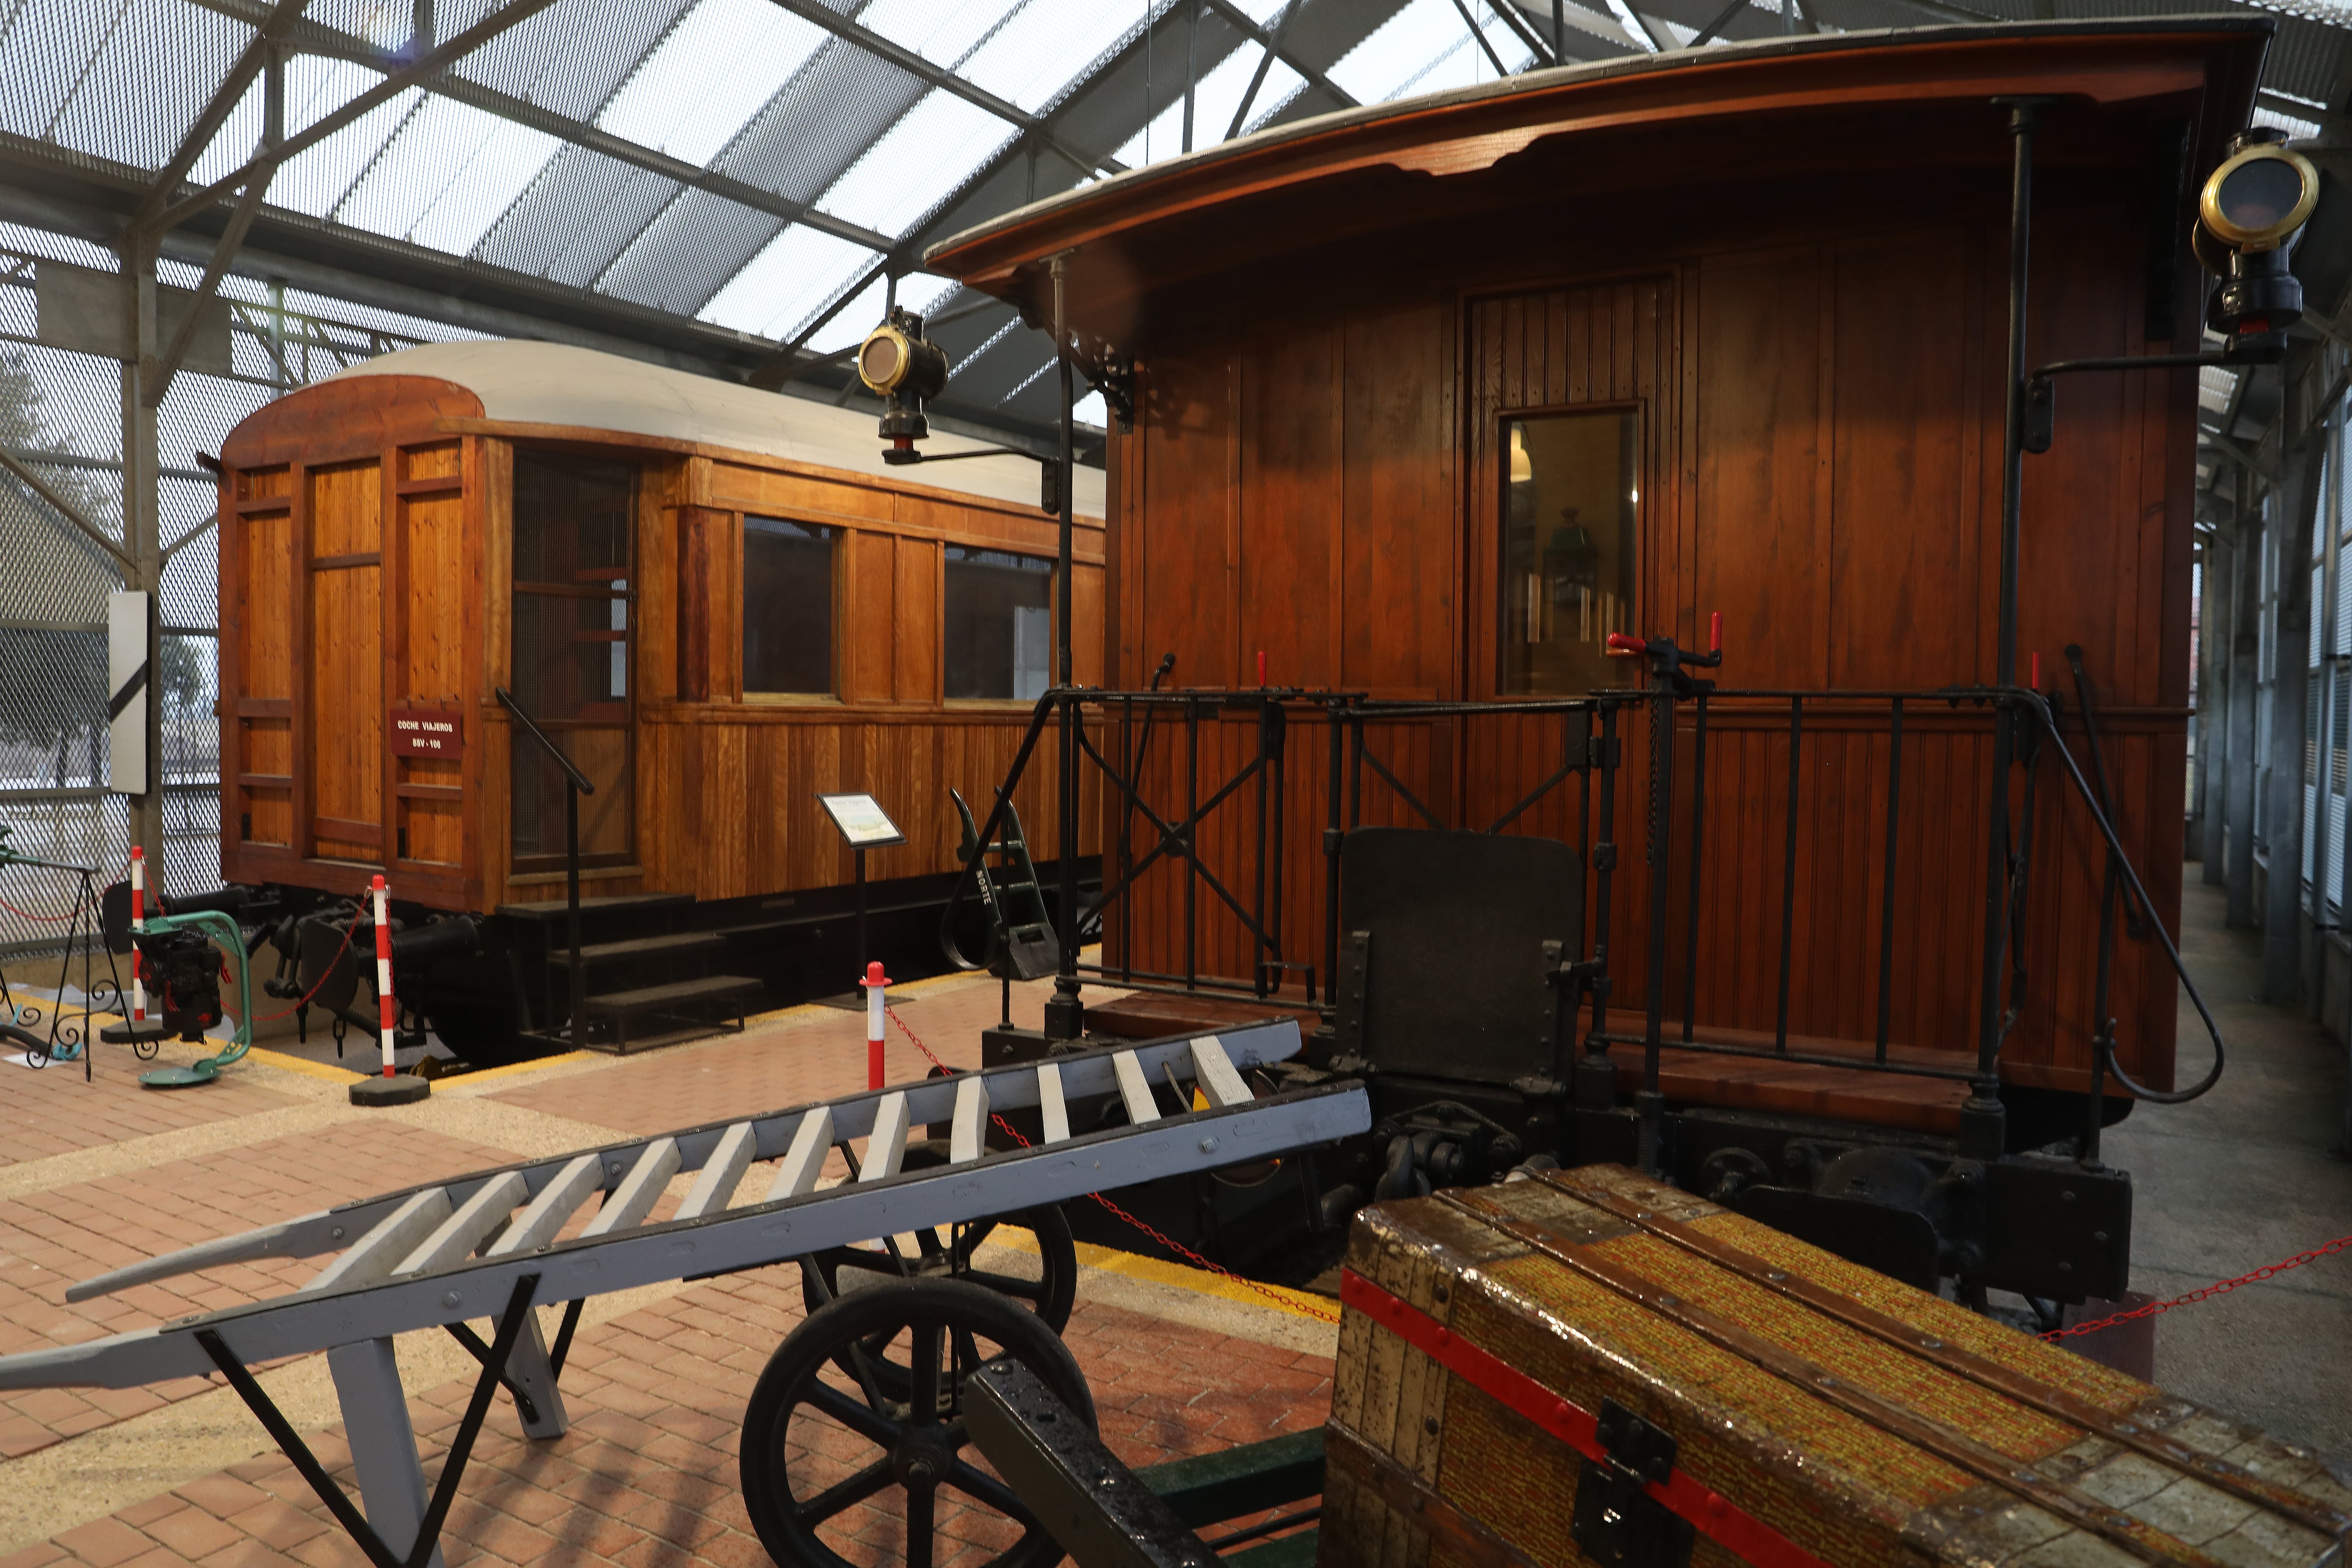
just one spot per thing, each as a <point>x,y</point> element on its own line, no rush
<point>2205,1293</point>
<point>28,915</point>
<point>1285,1298</point>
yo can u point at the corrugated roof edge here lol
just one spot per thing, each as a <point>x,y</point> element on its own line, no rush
<point>524,383</point>
<point>1626,66</point>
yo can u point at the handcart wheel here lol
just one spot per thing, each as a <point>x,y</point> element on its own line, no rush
<point>834,1462</point>
<point>1039,1268</point>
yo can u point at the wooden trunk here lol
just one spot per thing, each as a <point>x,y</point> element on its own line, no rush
<point>1590,1367</point>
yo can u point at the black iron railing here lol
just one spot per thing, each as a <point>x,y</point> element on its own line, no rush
<point>1171,788</point>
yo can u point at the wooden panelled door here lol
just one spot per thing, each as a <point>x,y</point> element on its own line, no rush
<point>574,524</point>
<point>345,586</point>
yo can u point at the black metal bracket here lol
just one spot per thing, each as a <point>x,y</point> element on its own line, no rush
<point>1617,1522</point>
<point>453,1467</point>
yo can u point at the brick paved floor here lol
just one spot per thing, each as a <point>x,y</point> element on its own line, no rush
<point>648,1477</point>
<point>811,1053</point>
<point>53,1111</point>
<point>49,1240</point>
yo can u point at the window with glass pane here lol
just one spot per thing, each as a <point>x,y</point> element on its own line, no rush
<point>1000,624</point>
<point>787,606</point>
<point>1572,492</point>
<point>573,524</point>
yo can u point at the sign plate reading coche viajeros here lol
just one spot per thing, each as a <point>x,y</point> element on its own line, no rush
<point>423,732</point>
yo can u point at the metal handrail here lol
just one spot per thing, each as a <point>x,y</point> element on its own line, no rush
<point>575,785</point>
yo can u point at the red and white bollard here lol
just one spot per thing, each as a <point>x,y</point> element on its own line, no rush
<point>138,924</point>
<point>386,1010</point>
<point>874,984</point>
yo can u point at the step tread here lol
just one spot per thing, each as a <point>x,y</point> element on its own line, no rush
<point>643,998</point>
<point>675,945</point>
<point>603,903</point>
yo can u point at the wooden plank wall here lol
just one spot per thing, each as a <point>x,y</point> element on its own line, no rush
<point>1821,463</point>
<point>367,563</point>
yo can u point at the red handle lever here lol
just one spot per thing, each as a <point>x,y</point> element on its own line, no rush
<point>1623,645</point>
<point>1715,633</point>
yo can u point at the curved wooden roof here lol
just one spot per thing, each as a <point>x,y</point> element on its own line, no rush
<point>1211,229</point>
<point>553,384</point>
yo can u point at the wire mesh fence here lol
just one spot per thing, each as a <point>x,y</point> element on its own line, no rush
<point>60,415</point>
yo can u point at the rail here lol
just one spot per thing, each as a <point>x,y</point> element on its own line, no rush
<point>575,784</point>
<point>1160,818</point>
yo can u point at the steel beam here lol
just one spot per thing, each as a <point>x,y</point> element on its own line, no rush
<point>512,14</point>
<point>1246,24</point>
<point>272,28</point>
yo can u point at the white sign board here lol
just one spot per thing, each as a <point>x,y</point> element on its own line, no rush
<point>862,821</point>
<point>131,688</point>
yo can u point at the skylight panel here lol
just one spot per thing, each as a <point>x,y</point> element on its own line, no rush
<point>717,69</point>
<point>237,139</point>
<point>1037,53</point>
<point>860,314</point>
<point>1421,48</point>
<point>932,150</point>
<point>315,179</point>
<point>44,50</point>
<point>791,278</point>
<point>1214,98</point>
<point>446,176</point>
<point>942,31</point>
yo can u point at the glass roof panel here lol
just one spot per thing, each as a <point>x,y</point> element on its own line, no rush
<point>315,180</point>
<point>942,31</point>
<point>42,55</point>
<point>237,139</point>
<point>1214,98</point>
<point>124,108</point>
<point>448,175</point>
<point>858,316</point>
<point>1044,46</point>
<point>791,278</point>
<point>932,150</point>
<point>717,68</point>
<point>1421,48</point>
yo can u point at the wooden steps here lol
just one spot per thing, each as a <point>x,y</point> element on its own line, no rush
<point>675,944</point>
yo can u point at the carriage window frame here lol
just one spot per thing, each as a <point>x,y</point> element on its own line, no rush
<point>626,640</point>
<point>833,537</point>
<point>1052,575</point>
<point>1631,414</point>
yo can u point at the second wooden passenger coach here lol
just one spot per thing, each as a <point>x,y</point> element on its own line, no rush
<point>719,603</point>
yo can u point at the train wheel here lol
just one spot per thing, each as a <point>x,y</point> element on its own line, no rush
<point>1038,1268</point>
<point>834,1462</point>
<point>482,1035</point>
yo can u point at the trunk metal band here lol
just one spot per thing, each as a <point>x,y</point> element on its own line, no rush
<point>1710,1513</point>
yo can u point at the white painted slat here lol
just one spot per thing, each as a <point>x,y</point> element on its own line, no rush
<point>541,1218</point>
<point>722,1174</point>
<point>476,1218</point>
<point>394,1237</point>
<point>1213,1071</point>
<point>639,1190</point>
<point>1051,1110</point>
<point>1135,1089</point>
<point>886,1146</point>
<point>797,1171</point>
<point>967,1138</point>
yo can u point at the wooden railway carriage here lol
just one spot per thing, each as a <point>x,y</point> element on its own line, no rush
<point>719,602</point>
<point>1431,398</point>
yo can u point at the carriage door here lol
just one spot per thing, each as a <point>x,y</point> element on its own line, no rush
<point>346,615</point>
<point>574,575</point>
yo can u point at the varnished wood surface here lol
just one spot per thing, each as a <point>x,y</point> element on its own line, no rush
<point>366,565</point>
<point>1793,275</point>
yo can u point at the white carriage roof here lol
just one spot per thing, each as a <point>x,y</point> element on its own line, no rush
<point>554,384</point>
